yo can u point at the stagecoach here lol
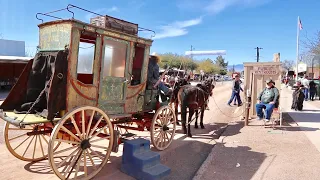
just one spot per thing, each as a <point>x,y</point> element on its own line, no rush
<point>77,98</point>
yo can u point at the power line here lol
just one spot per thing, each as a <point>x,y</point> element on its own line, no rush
<point>258,54</point>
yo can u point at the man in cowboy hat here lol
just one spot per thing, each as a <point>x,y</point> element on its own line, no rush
<point>154,74</point>
<point>268,100</point>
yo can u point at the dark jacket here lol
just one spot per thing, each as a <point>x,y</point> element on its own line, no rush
<point>153,72</point>
<point>236,86</point>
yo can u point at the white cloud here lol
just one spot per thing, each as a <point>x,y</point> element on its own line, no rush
<point>217,6</point>
<point>103,11</point>
<point>178,28</point>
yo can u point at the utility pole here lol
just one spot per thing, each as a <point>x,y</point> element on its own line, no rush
<point>258,55</point>
<point>233,69</point>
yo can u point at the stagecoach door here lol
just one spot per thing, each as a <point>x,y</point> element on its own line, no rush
<point>113,80</point>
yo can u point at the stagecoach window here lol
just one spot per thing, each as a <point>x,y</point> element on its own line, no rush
<point>85,58</point>
<point>137,64</point>
<point>114,58</point>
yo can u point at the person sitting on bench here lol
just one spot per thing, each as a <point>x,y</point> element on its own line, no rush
<point>268,100</point>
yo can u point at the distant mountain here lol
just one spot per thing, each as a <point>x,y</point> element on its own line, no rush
<point>237,67</point>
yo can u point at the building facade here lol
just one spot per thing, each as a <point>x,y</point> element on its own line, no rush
<point>12,48</point>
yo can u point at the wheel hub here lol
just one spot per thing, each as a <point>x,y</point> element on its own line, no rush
<point>85,144</point>
<point>165,128</point>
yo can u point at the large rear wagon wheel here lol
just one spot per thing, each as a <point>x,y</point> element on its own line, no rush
<point>86,137</point>
<point>25,143</point>
<point>163,128</point>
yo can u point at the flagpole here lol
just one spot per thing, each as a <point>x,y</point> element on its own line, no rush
<point>297,61</point>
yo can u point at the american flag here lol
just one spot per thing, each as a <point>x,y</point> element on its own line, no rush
<point>300,24</point>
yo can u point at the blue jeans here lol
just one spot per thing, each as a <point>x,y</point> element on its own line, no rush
<point>163,87</point>
<point>235,94</point>
<point>268,111</point>
<point>306,93</point>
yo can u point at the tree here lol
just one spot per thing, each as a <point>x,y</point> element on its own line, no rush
<point>312,44</point>
<point>208,67</point>
<point>220,61</point>
<point>177,61</point>
<point>287,65</point>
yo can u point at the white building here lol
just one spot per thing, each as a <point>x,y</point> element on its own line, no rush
<point>12,48</point>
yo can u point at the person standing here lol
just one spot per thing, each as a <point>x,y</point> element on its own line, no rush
<point>313,89</point>
<point>305,82</point>
<point>235,91</point>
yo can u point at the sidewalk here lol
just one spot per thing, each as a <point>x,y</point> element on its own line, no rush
<point>255,152</point>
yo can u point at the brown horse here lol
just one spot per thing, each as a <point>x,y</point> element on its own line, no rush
<point>194,98</point>
<point>174,97</point>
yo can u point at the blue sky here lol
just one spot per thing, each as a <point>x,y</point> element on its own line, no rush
<point>237,26</point>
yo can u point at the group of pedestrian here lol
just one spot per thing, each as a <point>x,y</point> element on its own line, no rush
<point>309,88</point>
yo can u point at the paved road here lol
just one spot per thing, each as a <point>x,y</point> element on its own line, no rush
<point>184,156</point>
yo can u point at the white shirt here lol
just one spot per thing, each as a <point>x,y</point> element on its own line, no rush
<point>305,82</point>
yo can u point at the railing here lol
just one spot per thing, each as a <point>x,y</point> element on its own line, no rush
<point>70,6</point>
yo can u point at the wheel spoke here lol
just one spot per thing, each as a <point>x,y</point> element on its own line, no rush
<point>72,163</point>
<point>64,150</point>
<point>44,138</point>
<point>99,131</point>
<point>22,142</point>
<point>95,153</point>
<point>77,169</point>
<point>90,122</point>
<point>35,146</point>
<point>95,126</point>
<point>83,124</point>
<point>90,157</point>
<point>100,139</point>
<point>28,146</point>
<point>67,158</point>
<point>41,145</point>
<point>18,136</point>
<point>76,126</point>
<point>158,140</point>
<point>66,141</point>
<point>70,133</point>
<point>85,164</point>
<point>97,146</point>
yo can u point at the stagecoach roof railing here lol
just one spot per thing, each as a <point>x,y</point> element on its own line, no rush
<point>73,6</point>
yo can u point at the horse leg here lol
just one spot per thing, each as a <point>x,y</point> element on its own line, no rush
<point>184,118</point>
<point>201,117</point>
<point>196,121</point>
<point>191,112</point>
<point>176,112</point>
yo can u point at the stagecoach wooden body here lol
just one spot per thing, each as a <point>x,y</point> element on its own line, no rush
<point>85,83</point>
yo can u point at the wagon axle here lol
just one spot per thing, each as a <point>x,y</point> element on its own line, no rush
<point>85,144</point>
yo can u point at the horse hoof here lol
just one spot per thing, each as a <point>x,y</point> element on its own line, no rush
<point>190,135</point>
<point>196,127</point>
<point>202,127</point>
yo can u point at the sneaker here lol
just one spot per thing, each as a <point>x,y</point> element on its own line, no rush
<point>229,104</point>
<point>235,104</point>
<point>240,105</point>
<point>266,120</point>
<point>259,118</point>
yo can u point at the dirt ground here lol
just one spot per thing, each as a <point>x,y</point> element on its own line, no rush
<point>184,156</point>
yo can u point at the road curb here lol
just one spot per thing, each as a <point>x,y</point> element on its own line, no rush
<point>206,163</point>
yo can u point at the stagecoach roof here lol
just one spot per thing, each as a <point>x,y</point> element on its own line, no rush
<point>89,25</point>
<point>14,59</point>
